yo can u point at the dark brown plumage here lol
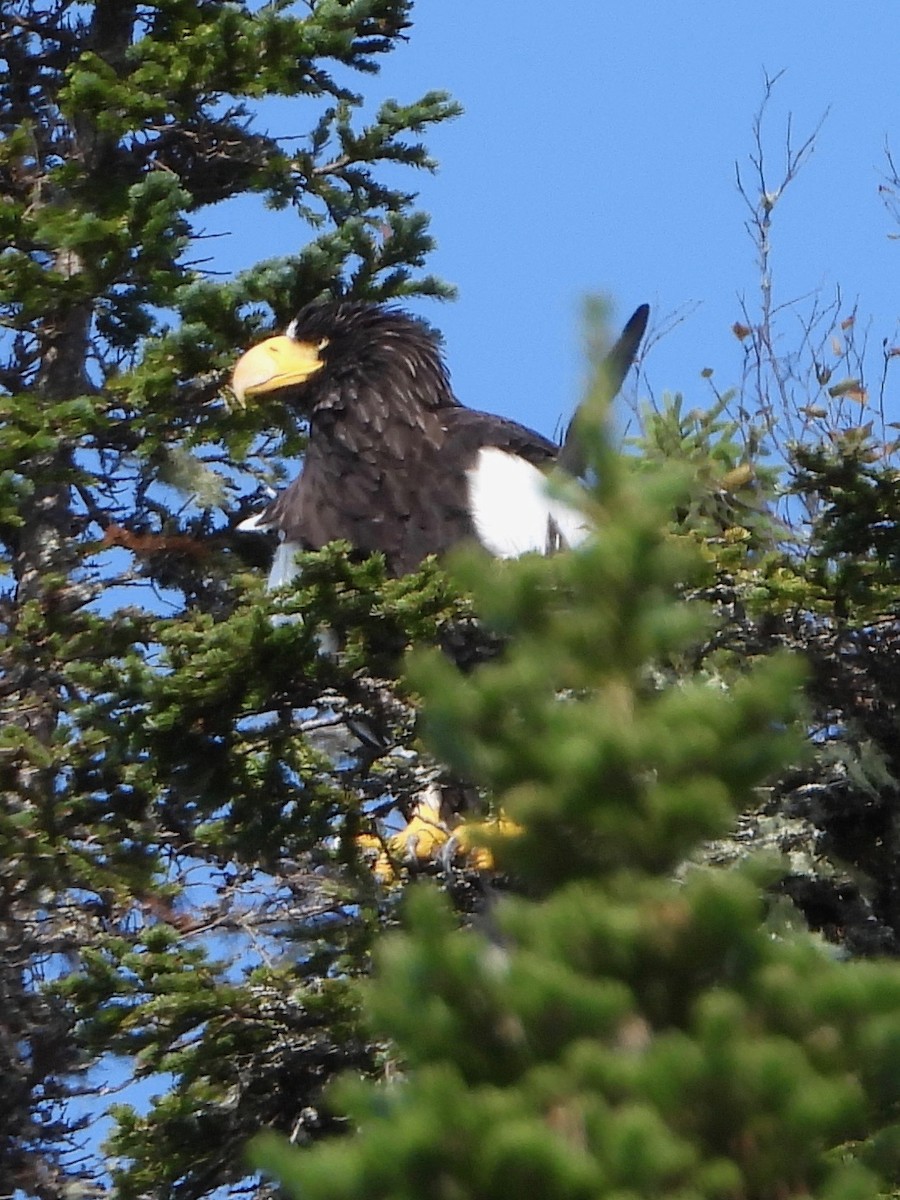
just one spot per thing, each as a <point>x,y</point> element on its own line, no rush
<point>391,455</point>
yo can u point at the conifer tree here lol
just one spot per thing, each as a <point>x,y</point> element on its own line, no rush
<point>628,1025</point>
<point>161,798</point>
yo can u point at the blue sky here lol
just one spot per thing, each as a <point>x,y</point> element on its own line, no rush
<point>597,153</point>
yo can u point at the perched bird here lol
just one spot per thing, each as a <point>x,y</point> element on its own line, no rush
<point>394,463</point>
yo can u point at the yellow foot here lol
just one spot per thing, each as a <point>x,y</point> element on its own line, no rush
<point>425,834</point>
<point>471,840</point>
<point>376,857</point>
<point>419,841</point>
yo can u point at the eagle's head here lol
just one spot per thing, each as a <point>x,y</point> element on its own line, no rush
<point>332,351</point>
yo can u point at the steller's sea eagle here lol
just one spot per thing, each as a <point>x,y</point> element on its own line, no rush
<point>394,463</point>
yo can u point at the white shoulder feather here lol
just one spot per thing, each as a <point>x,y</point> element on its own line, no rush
<point>511,510</point>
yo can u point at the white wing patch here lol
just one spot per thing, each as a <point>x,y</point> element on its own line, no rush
<point>511,510</point>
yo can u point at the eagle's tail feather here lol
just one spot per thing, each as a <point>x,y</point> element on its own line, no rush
<point>612,373</point>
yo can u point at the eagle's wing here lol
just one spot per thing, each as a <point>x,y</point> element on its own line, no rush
<point>467,431</point>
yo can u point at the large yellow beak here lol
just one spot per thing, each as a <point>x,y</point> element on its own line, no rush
<point>276,363</point>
